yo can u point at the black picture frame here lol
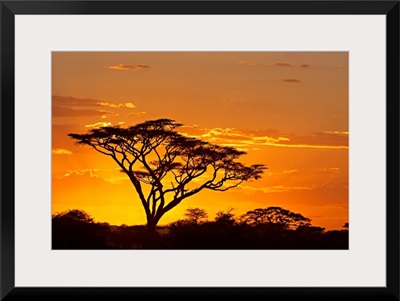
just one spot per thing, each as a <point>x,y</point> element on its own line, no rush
<point>11,8</point>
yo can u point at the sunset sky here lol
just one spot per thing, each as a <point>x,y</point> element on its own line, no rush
<point>287,110</point>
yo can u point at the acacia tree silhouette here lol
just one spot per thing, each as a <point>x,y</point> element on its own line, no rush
<point>276,216</point>
<point>194,215</point>
<point>74,214</point>
<point>166,162</point>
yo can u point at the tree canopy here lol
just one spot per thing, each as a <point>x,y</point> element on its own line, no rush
<point>276,216</point>
<point>74,215</point>
<point>194,215</point>
<point>162,164</point>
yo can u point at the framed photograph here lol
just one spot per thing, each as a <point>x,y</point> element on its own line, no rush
<point>233,150</point>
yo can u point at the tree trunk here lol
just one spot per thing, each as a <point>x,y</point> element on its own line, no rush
<point>151,239</point>
<point>151,224</point>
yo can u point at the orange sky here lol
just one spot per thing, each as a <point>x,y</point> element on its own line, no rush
<point>287,110</point>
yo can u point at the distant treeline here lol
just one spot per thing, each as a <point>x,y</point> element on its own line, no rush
<point>262,228</point>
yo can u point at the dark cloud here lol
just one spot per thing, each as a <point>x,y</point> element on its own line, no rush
<point>68,112</point>
<point>281,65</point>
<point>278,64</point>
<point>291,80</point>
<point>72,101</point>
<point>331,138</point>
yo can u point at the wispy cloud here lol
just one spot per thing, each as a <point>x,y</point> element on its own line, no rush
<point>253,64</point>
<point>280,65</point>
<point>69,101</point>
<point>255,139</point>
<point>125,67</point>
<point>287,171</point>
<point>278,188</point>
<point>128,105</point>
<point>73,102</point>
<point>112,176</point>
<point>97,124</point>
<point>276,64</point>
<point>330,169</point>
<point>60,151</point>
<point>70,112</point>
<point>291,80</point>
<point>336,132</point>
<point>137,113</point>
<point>312,146</point>
<point>85,107</point>
<point>90,172</point>
<point>245,63</point>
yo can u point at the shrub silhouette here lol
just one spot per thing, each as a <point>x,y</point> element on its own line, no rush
<point>75,229</point>
<point>225,217</point>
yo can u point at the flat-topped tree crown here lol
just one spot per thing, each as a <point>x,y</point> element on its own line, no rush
<point>153,153</point>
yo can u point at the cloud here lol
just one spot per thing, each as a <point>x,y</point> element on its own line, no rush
<point>255,139</point>
<point>312,146</point>
<point>128,105</point>
<point>319,140</point>
<point>90,172</point>
<point>69,101</point>
<point>60,151</point>
<point>280,65</point>
<point>113,176</point>
<point>69,112</point>
<point>335,132</point>
<point>97,124</point>
<point>76,107</point>
<point>252,64</point>
<point>287,171</point>
<point>291,80</point>
<point>246,63</point>
<point>278,188</point>
<point>330,169</point>
<point>137,113</point>
<point>124,67</point>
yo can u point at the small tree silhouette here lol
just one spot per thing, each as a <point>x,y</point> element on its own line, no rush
<point>153,154</point>
<point>73,215</point>
<point>276,216</point>
<point>225,217</point>
<point>194,215</point>
<point>76,229</point>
